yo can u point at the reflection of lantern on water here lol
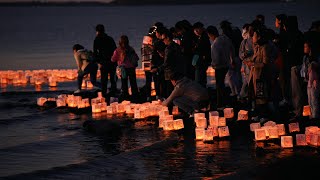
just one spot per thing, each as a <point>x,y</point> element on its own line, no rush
<point>294,127</point>
<point>200,133</point>
<point>273,132</point>
<point>208,135</point>
<point>96,108</point>
<point>301,140</point>
<point>168,125</point>
<point>214,120</point>
<point>254,126</point>
<point>223,131</point>
<point>286,142</point>
<point>175,110</point>
<point>228,112</point>
<point>89,84</point>
<point>222,121</point>
<point>306,111</point>
<point>281,129</point>
<point>178,124</point>
<point>201,122</point>
<point>260,134</point>
<point>243,115</point>
<point>41,101</point>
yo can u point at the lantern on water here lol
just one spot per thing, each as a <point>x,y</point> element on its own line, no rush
<point>84,84</point>
<point>314,139</point>
<point>128,109</point>
<point>81,104</point>
<point>200,133</point>
<point>96,108</point>
<point>266,128</point>
<point>223,131</point>
<point>228,112</point>
<point>89,84</point>
<point>163,113</point>
<point>254,126</point>
<point>243,115</point>
<point>281,129</point>
<point>286,142</point>
<point>4,80</point>
<point>301,140</point>
<point>215,132</point>
<point>201,122</point>
<point>178,124</point>
<point>214,120</point>
<point>161,121</point>
<point>270,123</point>
<point>199,115</point>
<point>294,127</point>
<point>41,101</point>
<point>208,135</point>
<point>52,81</point>
<point>168,125</point>
<point>120,108</point>
<point>213,113</point>
<point>61,102</point>
<point>110,110</point>
<point>175,110</point>
<point>306,110</point>
<point>222,121</point>
<point>103,106</point>
<point>273,132</point>
<point>260,134</point>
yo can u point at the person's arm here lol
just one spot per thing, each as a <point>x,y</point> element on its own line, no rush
<point>242,51</point>
<point>174,94</point>
<point>214,54</point>
<point>116,56</point>
<point>78,60</point>
<point>265,58</point>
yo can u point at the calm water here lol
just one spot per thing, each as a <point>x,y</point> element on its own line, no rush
<point>52,144</point>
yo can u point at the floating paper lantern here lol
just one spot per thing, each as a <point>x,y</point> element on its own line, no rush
<point>96,108</point>
<point>168,125</point>
<point>89,85</point>
<point>61,102</point>
<point>199,115</point>
<point>161,122</point>
<point>270,123</point>
<point>41,101</point>
<point>243,115</point>
<point>286,142</point>
<point>213,113</point>
<point>163,113</point>
<point>254,126</point>
<point>214,120</point>
<point>208,135</point>
<point>215,132</point>
<point>301,140</point>
<point>201,122</point>
<point>128,109</point>
<point>222,121</point>
<point>178,124</point>
<point>52,82</point>
<point>84,84</point>
<point>110,110</point>
<point>4,81</point>
<point>294,127</point>
<point>314,139</point>
<point>281,129</point>
<point>273,132</point>
<point>260,134</point>
<point>103,106</point>
<point>120,108</point>
<point>81,104</point>
<point>266,128</point>
<point>200,133</point>
<point>306,110</point>
<point>175,110</point>
<point>228,112</point>
<point>223,131</point>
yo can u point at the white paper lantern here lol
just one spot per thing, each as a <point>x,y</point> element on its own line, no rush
<point>243,115</point>
<point>294,127</point>
<point>254,126</point>
<point>178,124</point>
<point>223,131</point>
<point>222,121</point>
<point>214,120</point>
<point>286,142</point>
<point>260,134</point>
<point>281,129</point>
<point>201,122</point>
<point>301,140</point>
<point>228,113</point>
<point>168,125</point>
<point>200,133</point>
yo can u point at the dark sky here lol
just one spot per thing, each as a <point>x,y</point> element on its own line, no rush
<point>55,0</point>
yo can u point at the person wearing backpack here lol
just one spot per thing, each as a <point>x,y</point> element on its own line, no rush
<point>85,66</point>
<point>127,60</point>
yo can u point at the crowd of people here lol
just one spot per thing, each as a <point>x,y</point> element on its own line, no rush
<point>263,68</point>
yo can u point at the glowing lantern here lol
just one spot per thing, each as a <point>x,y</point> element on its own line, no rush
<point>83,85</point>
<point>208,135</point>
<point>199,115</point>
<point>4,80</point>
<point>61,102</point>
<point>161,121</point>
<point>222,121</point>
<point>266,128</point>
<point>24,80</point>
<point>201,122</point>
<point>301,140</point>
<point>52,82</point>
<point>294,127</point>
<point>286,142</point>
<point>260,134</point>
<point>110,110</point>
<point>281,129</point>
<point>81,104</point>
<point>128,109</point>
<point>310,131</point>
<point>89,85</point>
<point>200,133</point>
<point>169,117</point>
<point>120,108</point>
<point>163,113</point>
<point>273,132</point>
<point>168,125</point>
<point>215,132</point>
<point>16,81</point>
<point>213,113</point>
<point>86,101</point>
<point>223,131</point>
<point>314,139</point>
<point>270,123</point>
<point>306,111</point>
<point>243,115</point>
<point>214,120</point>
<point>103,106</point>
<point>41,101</point>
<point>96,108</point>
<point>228,112</point>
<point>126,102</point>
<point>254,126</point>
<point>137,114</point>
<point>178,124</point>
<point>175,110</point>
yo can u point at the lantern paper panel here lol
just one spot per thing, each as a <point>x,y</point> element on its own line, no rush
<point>222,121</point>
<point>208,135</point>
<point>89,85</point>
<point>213,113</point>
<point>161,122</point>
<point>306,110</point>
<point>273,132</point>
<point>200,133</point>
<point>228,112</point>
<point>223,131</point>
<point>41,101</point>
<point>120,108</point>
<point>243,115</point>
<point>286,142</point>
<point>254,126</point>
<point>199,115</point>
<point>103,106</point>
<point>301,140</point>
<point>163,113</point>
<point>178,124</point>
<point>61,102</point>
<point>281,129</point>
<point>266,128</point>
<point>215,131</point>
<point>175,110</point>
<point>168,125</point>
<point>294,127</point>
<point>201,122</point>
<point>270,123</point>
<point>260,134</point>
<point>314,139</point>
<point>96,108</point>
<point>214,120</point>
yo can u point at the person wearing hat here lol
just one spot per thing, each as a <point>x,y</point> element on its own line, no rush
<point>202,56</point>
<point>103,48</point>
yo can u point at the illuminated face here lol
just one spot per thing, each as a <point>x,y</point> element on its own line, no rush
<point>197,31</point>
<point>255,37</point>
<point>306,48</point>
